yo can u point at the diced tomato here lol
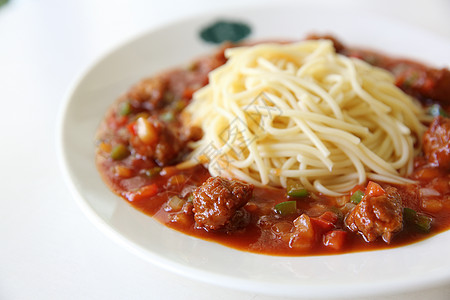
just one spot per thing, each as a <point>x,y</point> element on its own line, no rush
<point>329,216</point>
<point>169,171</point>
<point>132,128</point>
<point>105,147</point>
<point>123,171</point>
<point>144,192</point>
<point>428,174</point>
<point>321,225</point>
<point>324,222</point>
<point>335,239</point>
<point>374,189</point>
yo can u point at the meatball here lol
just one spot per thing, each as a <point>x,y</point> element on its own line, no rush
<point>436,143</point>
<point>217,201</point>
<point>377,215</point>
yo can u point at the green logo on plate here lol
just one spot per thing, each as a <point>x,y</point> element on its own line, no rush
<point>222,31</point>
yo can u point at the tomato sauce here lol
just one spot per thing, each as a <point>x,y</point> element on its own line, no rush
<point>147,176</point>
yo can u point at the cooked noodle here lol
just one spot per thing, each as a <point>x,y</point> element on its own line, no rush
<point>300,111</point>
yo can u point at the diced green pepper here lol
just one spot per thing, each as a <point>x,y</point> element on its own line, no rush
<point>119,152</point>
<point>423,223</point>
<point>295,189</point>
<point>286,208</point>
<point>357,197</point>
<point>411,79</point>
<point>409,215</point>
<point>152,172</point>
<point>298,193</point>
<point>167,116</point>
<point>180,105</point>
<point>190,198</point>
<point>436,110</point>
<point>124,108</point>
<point>420,221</point>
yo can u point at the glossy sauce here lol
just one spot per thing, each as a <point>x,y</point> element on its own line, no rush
<point>165,192</point>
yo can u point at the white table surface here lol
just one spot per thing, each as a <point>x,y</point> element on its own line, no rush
<point>48,248</point>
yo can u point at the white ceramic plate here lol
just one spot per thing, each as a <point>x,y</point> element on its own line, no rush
<point>357,274</point>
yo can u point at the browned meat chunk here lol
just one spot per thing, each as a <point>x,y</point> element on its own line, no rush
<point>183,84</point>
<point>156,140</point>
<point>377,216</point>
<point>421,81</point>
<point>163,142</point>
<point>217,200</point>
<point>441,88</point>
<point>436,143</point>
<point>150,90</point>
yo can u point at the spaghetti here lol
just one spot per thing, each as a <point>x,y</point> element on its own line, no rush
<point>276,112</point>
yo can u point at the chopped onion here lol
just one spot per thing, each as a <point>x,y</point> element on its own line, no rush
<point>145,131</point>
<point>429,192</point>
<point>176,203</point>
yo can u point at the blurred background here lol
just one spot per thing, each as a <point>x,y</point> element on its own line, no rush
<point>48,248</point>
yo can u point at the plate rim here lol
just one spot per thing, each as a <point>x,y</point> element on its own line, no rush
<point>188,271</point>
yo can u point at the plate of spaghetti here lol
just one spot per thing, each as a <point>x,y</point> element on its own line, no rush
<point>237,150</point>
